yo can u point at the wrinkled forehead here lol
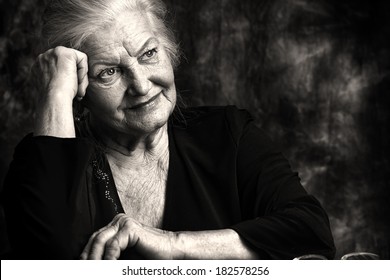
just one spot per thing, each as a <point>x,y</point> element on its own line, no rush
<point>130,30</point>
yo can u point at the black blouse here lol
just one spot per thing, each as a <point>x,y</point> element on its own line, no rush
<point>223,173</point>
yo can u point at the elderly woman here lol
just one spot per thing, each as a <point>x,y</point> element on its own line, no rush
<point>135,176</point>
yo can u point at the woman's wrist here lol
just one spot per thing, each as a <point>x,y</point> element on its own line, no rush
<point>54,117</point>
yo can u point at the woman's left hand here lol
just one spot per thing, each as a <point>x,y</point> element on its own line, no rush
<point>125,232</point>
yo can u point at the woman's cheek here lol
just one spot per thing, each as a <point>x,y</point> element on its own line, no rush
<point>108,97</point>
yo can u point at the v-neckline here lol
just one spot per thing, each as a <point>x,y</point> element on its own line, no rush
<point>111,194</point>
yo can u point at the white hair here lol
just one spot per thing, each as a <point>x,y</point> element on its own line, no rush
<point>70,22</point>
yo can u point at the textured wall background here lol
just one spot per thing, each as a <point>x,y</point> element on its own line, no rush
<point>314,73</point>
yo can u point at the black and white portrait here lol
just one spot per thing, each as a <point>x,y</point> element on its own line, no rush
<point>167,129</point>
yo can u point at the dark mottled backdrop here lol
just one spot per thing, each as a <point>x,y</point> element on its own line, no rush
<point>314,73</point>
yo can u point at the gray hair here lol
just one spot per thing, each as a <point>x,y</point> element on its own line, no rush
<point>70,22</point>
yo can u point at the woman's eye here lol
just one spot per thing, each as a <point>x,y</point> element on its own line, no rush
<point>149,54</point>
<point>109,75</point>
<point>108,72</point>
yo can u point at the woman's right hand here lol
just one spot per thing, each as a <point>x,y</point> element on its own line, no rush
<point>61,71</point>
<point>60,74</point>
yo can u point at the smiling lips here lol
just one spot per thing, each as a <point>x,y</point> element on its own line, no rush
<point>143,104</point>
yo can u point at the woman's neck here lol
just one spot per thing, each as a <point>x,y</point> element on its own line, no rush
<point>130,151</point>
<point>139,166</point>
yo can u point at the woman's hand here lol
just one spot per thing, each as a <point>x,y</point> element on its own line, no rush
<point>125,232</point>
<point>60,75</point>
<point>61,71</point>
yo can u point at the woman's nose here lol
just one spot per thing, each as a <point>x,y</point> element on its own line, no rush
<point>139,83</point>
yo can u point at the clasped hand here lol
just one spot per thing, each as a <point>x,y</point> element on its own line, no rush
<point>126,233</point>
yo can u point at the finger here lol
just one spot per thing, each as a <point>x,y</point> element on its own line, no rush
<point>81,62</point>
<point>87,248</point>
<point>126,237</point>
<point>82,88</point>
<point>99,243</point>
<point>86,252</point>
<point>63,70</point>
<point>95,247</point>
<point>117,243</point>
<point>112,250</point>
<point>82,72</point>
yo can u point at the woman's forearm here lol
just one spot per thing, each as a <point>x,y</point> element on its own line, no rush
<point>55,118</point>
<point>212,244</point>
<point>61,75</point>
<point>123,232</point>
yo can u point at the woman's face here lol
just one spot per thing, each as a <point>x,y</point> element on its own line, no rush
<point>131,83</point>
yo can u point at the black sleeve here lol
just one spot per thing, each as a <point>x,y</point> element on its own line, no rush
<point>36,194</point>
<point>281,220</point>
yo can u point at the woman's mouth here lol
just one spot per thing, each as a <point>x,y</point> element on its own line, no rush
<point>143,104</point>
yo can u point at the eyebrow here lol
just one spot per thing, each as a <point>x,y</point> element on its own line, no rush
<point>148,42</point>
<point>109,61</point>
